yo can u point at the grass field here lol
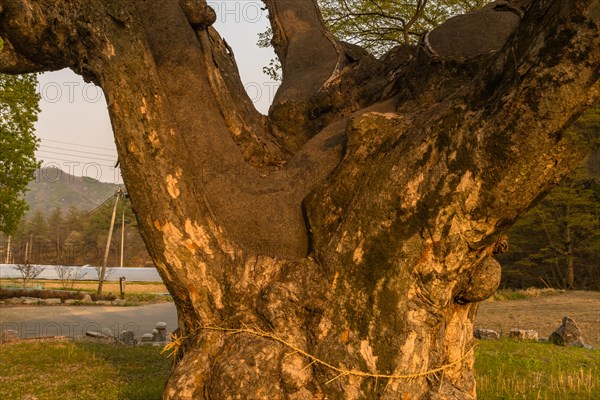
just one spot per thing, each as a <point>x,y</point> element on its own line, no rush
<point>508,370</point>
<point>91,286</point>
<point>136,293</point>
<point>81,370</point>
<point>85,370</point>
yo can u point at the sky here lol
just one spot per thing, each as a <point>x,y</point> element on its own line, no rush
<point>74,127</point>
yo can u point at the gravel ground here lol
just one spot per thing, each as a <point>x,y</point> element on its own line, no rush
<point>544,314</point>
<point>41,321</point>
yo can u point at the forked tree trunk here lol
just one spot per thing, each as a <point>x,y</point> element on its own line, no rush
<point>337,248</point>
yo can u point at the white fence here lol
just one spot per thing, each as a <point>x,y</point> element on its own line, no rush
<point>89,273</point>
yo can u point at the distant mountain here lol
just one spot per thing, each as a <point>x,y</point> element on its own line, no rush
<point>53,187</point>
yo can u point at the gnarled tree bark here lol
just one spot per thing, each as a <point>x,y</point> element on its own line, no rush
<point>342,243</point>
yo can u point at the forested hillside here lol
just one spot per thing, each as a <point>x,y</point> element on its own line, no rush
<point>68,223</point>
<point>53,188</point>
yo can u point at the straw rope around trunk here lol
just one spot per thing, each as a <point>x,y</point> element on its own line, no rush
<point>177,341</point>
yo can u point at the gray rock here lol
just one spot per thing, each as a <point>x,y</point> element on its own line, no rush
<point>568,334</point>
<point>486,334</point>
<point>86,299</point>
<point>147,337</point>
<point>9,335</point>
<point>107,332</point>
<point>128,337</point>
<point>96,335</point>
<point>51,301</point>
<point>523,335</point>
<point>29,300</point>
<point>118,302</point>
<point>161,332</point>
<point>103,302</point>
<point>14,300</point>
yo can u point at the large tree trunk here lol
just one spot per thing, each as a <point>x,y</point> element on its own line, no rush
<point>338,248</point>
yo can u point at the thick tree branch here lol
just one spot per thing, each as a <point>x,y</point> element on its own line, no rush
<point>182,90</point>
<point>530,108</point>
<point>250,129</point>
<point>22,26</point>
<point>309,56</point>
<point>554,54</point>
<point>11,62</point>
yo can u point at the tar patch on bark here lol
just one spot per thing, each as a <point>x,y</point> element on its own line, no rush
<point>498,146</point>
<point>443,141</point>
<point>492,86</point>
<point>557,43</point>
<point>426,209</point>
<point>426,156</point>
<point>463,162</point>
<point>448,125</point>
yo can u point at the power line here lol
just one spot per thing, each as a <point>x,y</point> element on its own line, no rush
<point>89,214</point>
<point>78,156</point>
<point>78,151</point>
<point>44,158</point>
<point>76,144</point>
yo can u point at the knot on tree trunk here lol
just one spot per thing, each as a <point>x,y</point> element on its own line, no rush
<point>198,13</point>
<point>501,245</point>
<point>482,282</point>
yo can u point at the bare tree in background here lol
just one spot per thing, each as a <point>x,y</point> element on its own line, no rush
<point>68,275</point>
<point>28,272</point>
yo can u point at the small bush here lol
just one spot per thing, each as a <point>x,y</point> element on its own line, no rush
<point>53,294</point>
<point>40,294</point>
<point>103,296</point>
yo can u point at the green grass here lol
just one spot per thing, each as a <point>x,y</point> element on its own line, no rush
<point>137,299</point>
<point>82,370</point>
<point>506,370</point>
<point>524,294</point>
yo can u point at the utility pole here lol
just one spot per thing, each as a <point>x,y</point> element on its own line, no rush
<point>58,257</point>
<point>26,261</point>
<point>122,235</point>
<point>108,240</point>
<point>30,248</point>
<point>8,251</point>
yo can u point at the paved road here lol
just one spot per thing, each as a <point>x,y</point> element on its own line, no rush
<point>40,321</point>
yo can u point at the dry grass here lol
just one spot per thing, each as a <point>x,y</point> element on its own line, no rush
<point>91,286</point>
<point>137,288</point>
